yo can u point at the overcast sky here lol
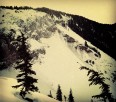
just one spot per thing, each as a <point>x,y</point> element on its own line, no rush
<point>103,11</point>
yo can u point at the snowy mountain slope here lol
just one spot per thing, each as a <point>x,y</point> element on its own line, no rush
<point>60,67</point>
<point>100,35</point>
<point>65,53</point>
<point>94,59</point>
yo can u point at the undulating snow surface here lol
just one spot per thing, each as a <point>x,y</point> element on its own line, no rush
<point>61,62</point>
<point>9,94</point>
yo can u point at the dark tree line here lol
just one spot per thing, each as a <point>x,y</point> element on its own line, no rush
<point>96,78</point>
<point>59,95</point>
<point>51,12</point>
<point>16,7</point>
<point>101,35</point>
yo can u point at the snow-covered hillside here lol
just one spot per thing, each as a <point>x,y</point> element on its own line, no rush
<point>62,53</point>
<point>9,94</point>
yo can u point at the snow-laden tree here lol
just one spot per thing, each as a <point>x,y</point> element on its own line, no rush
<point>25,78</point>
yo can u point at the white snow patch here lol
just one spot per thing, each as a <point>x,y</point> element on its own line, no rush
<point>9,94</point>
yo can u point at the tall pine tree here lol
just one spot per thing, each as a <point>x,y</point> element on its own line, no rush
<point>24,78</point>
<point>71,98</point>
<point>59,94</point>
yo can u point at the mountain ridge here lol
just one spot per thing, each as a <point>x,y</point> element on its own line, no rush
<point>101,35</point>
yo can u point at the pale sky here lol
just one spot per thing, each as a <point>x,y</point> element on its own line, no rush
<point>103,11</point>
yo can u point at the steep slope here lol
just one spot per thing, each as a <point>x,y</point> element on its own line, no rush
<point>100,35</point>
<point>61,52</point>
<point>60,67</point>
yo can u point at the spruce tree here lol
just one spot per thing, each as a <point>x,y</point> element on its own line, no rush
<point>59,94</point>
<point>96,78</point>
<point>24,78</point>
<point>71,98</point>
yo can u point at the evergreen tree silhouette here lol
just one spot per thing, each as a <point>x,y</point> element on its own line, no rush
<point>71,98</point>
<point>24,65</point>
<point>59,94</point>
<point>50,95</point>
<point>97,78</point>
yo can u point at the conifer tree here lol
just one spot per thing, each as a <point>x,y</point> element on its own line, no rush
<point>96,78</point>
<point>59,94</point>
<point>24,78</point>
<point>71,98</point>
